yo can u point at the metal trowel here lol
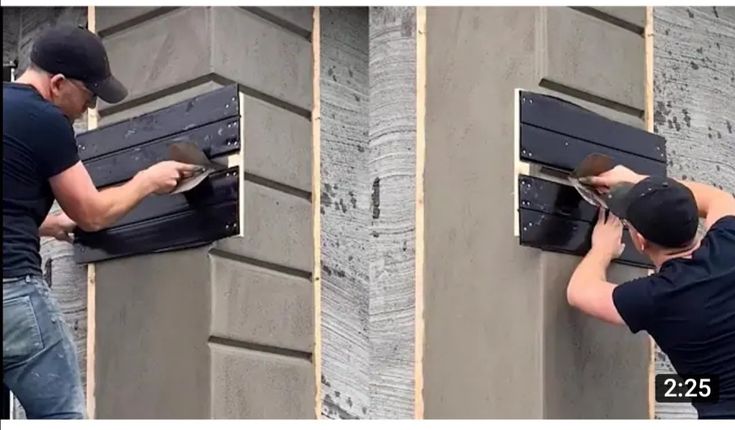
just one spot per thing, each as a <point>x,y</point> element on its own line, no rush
<point>592,165</point>
<point>185,151</point>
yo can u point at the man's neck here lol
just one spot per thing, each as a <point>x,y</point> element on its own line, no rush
<point>29,78</point>
<point>660,258</point>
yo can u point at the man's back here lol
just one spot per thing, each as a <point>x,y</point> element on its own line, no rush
<point>38,142</point>
<point>688,307</point>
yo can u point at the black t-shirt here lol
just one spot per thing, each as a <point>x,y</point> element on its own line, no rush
<point>38,143</point>
<point>688,307</point>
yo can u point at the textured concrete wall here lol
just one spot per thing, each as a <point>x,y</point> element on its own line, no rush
<point>345,212</point>
<point>694,76</point>
<point>501,341</point>
<point>11,31</point>
<point>392,173</point>
<point>241,310</point>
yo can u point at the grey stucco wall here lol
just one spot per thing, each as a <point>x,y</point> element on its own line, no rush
<point>237,314</point>
<point>694,75</point>
<point>500,339</point>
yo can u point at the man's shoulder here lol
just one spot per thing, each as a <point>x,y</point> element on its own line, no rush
<point>718,244</point>
<point>726,224</point>
<point>29,104</point>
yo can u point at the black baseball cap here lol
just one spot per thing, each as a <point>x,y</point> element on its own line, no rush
<point>661,209</point>
<point>77,53</point>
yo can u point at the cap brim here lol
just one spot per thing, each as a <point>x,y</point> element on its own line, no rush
<point>110,90</point>
<point>618,199</point>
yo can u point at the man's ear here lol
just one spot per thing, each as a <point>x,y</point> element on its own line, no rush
<point>639,241</point>
<point>55,83</point>
<point>642,242</point>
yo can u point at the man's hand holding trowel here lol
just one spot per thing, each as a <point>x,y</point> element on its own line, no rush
<point>189,153</point>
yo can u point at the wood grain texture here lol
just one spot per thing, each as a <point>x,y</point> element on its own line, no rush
<point>694,88</point>
<point>316,180</point>
<point>392,171</point>
<point>345,213</point>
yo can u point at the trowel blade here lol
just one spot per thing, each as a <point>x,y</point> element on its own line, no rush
<point>592,165</point>
<point>185,151</point>
<point>188,152</point>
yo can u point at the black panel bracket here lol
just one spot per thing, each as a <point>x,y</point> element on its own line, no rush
<point>212,210</point>
<point>551,138</point>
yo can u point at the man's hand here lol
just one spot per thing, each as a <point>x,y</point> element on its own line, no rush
<point>588,287</point>
<point>163,177</point>
<point>613,177</point>
<point>58,226</point>
<point>607,236</point>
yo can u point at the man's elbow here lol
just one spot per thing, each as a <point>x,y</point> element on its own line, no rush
<point>571,296</point>
<point>88,221</point>
<point>90,226</point>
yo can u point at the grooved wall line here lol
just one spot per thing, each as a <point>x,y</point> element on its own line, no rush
<point>157,12</point>
<point>209,77</point>
<point>251,346</point>
<point>609,19</point>
<point>280,22</point>
<point>260,263</point>
<point>583,95</point>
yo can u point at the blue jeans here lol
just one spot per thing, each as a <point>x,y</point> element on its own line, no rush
<point>39,356</point>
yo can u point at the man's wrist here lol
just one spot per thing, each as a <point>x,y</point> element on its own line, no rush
<point>601,256</point>
<point>143,184</point>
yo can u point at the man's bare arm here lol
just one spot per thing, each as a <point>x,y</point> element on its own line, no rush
<point>94,210</point>
<point>713,203</point>
<point>58,226</point>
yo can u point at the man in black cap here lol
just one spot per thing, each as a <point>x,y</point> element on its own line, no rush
<point>688,305</point>
<point>69,70</point>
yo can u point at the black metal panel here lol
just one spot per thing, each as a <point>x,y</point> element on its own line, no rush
<point>178,231</point>
<point>562,117</point>
<point>552,198</point>
<point>562,152</point>
<point>218,188</point>
<point>214,139</point>
<point>554,217</point>
<point>207,213</point>
<point>217,105</point>
<point>569,236</point>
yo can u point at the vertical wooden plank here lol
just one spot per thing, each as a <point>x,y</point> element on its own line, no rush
<point>92,120</point>
<point>420,163</point>
<point>648,116</point>
<point>315,205</point>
